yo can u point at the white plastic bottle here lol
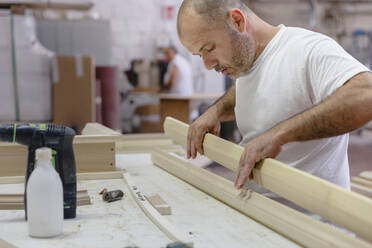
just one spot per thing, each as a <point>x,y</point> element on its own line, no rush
<point>44,198</point>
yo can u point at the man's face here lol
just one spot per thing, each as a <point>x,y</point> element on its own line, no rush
<point>169,54</point>
<point>224,49</point>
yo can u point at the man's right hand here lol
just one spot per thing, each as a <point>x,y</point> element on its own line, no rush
<point>206,123</point>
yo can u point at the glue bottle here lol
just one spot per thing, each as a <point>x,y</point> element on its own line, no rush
<point>44,198</point>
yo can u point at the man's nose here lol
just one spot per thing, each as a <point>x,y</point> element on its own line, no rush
<point>210,62</point>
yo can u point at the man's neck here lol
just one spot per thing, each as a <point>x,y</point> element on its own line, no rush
<point>264,33</point>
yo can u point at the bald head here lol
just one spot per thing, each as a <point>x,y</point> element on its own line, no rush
<point>213,12</point>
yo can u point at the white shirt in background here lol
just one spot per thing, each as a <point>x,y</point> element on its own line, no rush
<point>183,83</point>
<point>296,71</point>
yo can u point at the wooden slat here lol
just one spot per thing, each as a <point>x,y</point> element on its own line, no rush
<point>4,244</point>
<point>290,223</point>
<point>90,157</point>
<point>363,190</point>
<point>366,175</point>
<point>346,209</point>
<point>94,128</point>
<point>15,201</point>
<point>80,176</point>
<point>163,224</point>
<point>362,181</point>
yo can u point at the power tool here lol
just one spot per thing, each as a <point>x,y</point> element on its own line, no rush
<point>59,139</point>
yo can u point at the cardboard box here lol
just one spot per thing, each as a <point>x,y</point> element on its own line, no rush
<point>74,91</point>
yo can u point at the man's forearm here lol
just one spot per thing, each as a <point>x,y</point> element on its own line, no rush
<point>224,106</point>
<point>349,108</point>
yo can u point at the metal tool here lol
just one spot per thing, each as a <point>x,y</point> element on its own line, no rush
<point>110,196</point>
<point>59,139</point>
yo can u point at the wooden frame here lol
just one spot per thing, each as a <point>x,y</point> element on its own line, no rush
<point>16,201</point>
<point>294,225</point>
<point>126,144</point>
<point>163,224</point>
<point>80,176</point>
<point>343,208</point>
<point>90,157</point>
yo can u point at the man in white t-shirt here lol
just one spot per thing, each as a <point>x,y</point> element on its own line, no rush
<point>178,79</point>
<point>297,96</point>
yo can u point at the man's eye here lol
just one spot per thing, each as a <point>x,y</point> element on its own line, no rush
<point>210,49</point>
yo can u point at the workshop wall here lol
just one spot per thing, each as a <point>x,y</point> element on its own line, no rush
<point>138,27</point>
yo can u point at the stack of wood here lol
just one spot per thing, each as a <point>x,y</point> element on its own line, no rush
<point>362,184</point>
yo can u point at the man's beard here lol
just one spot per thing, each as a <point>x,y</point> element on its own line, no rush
<point>243,53</point>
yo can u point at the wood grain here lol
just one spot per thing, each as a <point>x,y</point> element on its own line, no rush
<point>290,223</point>
<point>343,208</point>
<point>163,224</point>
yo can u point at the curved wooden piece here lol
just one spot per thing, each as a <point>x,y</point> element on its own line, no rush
<point>341,207</point>
<point>163,224</point>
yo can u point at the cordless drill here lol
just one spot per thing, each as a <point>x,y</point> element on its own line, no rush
<point>57,138</point>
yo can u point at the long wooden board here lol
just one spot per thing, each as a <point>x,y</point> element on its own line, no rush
<point>366,175</point>
<point>362,181</point>
<point>90,157</point>
<point>16,201</point>
<point>80,176</point>
<point>343,208</point>
<point>294,225</point>
<point>361,189</point>
<point>163,224</point>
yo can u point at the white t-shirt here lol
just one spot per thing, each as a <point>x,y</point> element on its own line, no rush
<point>183,82</point>
<point>297,70</point>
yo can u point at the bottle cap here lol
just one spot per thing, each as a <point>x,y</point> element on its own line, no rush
<point>44,153</point>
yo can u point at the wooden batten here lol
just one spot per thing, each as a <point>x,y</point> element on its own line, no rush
<point>94,128</point>
<point>367,175</point>
<point>362,181</point>
<point>288,222</point>
<point>16,201</point>
<point>160,221</point>
<point>90,157</point>
<point>343,208</point>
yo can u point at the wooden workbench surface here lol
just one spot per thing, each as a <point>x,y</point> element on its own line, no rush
<point>207,221</point>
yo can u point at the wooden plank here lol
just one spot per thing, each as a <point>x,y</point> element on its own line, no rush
<point>80,176</point>
<point>366,175</point>
<point>163,224</point>
<point>94,128</point>
<point>16,201</point>
<point>362,181</point>
<point>366,191</point>
<point>4,244</point>
<point>100,175</point>
<point>288,222</point>
<point>130,144</point>
<point>90,157</point>
<point>159,204</point>
<point>343,208</point>
<point>95,157</point>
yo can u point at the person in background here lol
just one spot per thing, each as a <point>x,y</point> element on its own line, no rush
<point>178,79</point>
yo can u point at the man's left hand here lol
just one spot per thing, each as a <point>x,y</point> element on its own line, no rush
<point>263,146</point>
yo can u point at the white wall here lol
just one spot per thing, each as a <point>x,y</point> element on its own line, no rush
<point>136,27</point>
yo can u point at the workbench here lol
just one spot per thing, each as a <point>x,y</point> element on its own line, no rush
<point>206,221</point>
<point>180,106</point>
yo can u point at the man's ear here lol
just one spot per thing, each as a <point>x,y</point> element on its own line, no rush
<point>237,19</point>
